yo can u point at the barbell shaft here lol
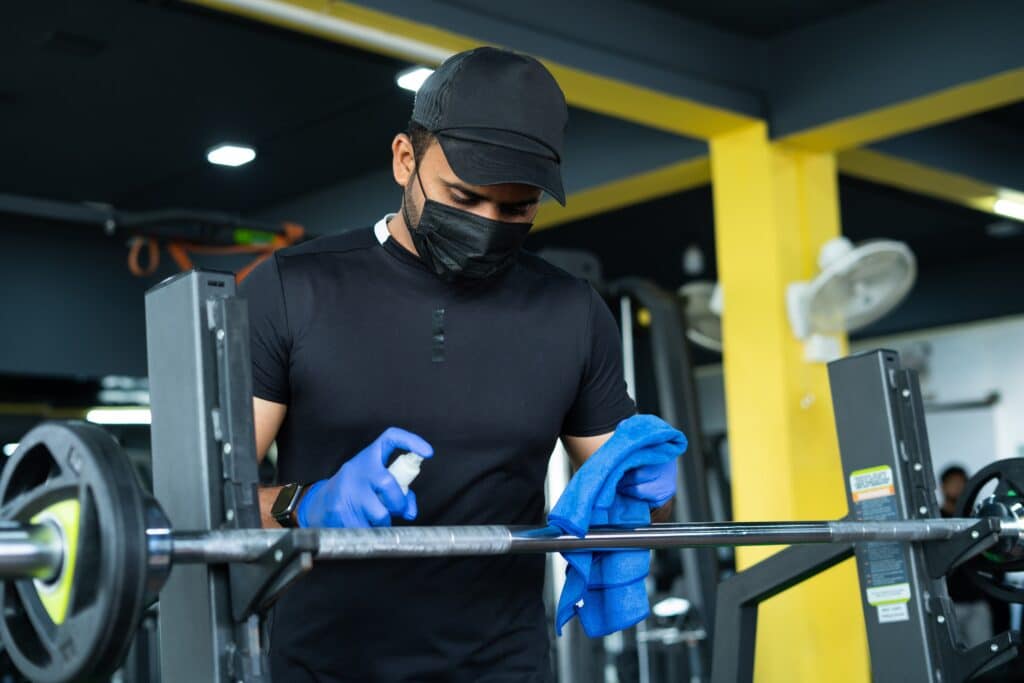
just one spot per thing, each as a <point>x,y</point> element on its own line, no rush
<point>35,550</point>
<point>242,545</point>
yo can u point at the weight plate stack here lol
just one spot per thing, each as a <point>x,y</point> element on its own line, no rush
<point>78,625</point>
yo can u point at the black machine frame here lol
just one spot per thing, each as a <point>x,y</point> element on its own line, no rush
<point>675,396</point>
<point>880,423</point>
<point>205,475</point>
<point>678,405</point>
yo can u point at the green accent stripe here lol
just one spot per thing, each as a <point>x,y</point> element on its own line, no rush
<point>880,468</point>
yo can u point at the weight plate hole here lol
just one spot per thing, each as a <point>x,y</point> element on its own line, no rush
<point>35,468</point>
<point>988,489</point>
<point>50,583</point>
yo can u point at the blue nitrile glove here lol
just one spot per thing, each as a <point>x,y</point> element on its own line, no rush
<point>363,493</point>
<point>655,484</point>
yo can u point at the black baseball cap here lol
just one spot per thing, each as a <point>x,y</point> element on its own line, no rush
<point>499,117</point>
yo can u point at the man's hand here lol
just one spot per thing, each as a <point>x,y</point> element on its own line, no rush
<point>655,484</point>
<point>363,493</point>
<point>647,483</point>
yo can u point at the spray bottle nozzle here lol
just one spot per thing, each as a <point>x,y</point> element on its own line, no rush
<point>405,468</point>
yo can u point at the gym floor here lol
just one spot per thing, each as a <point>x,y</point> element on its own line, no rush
<point>758,194</point>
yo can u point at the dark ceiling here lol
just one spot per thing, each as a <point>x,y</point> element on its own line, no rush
<point>118,102</point>
<point>758,19</point>
<point>115,101</point>
<point>1010,117</point>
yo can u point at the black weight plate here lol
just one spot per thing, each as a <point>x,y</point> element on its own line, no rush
<point>994,584</point>
<point>987,571</point>
<point>77,460</point>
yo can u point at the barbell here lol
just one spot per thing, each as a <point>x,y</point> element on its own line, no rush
<point>84,549</point>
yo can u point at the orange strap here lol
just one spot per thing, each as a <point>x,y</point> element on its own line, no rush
<point>180,255</point>
<point>180,251</point>
<point>153,251</point>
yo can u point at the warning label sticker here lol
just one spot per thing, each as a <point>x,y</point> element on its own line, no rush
<point>884,595</point>
<point>876,482</point>
<point>883,565</point>
<point>890,613</point>
<point>891,602</point>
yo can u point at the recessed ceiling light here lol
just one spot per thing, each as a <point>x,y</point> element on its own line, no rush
<point>119,416</point>
<point>229,154</point>
<point>9,449</point>
<point>1011,208</point>
<point>412,79</point>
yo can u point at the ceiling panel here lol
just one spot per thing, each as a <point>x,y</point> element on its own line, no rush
<point>758,19</point>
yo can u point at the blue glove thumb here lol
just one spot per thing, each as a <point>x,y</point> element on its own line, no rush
<point>362,493</point>
<point>655,484</point>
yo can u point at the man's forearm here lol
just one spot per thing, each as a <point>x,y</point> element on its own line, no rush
<point>662,514</point>
<point>267,495</point>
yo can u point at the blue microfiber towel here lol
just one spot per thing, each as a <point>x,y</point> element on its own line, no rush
<point>606,588</point>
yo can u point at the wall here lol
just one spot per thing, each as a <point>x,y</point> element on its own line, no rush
<point>68,304</point>
<point>965,363</point>
<point>957,364</point>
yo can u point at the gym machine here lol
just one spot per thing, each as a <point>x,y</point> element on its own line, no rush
<point>84,550</point>
<point>658,368</point>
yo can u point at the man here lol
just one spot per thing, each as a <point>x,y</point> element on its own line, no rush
<point>434,324</point>
<point>952,481</point>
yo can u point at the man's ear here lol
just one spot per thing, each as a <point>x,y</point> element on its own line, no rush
<point>403,161</point>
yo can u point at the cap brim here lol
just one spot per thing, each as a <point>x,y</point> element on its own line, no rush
<point>482,163</point>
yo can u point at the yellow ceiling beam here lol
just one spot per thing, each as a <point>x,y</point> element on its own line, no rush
<point>350,24</point>
<point>911,176</point>
<point>402,38</point>
<point>866,164</point>
<point>642,187</point>
<point>913,114</point>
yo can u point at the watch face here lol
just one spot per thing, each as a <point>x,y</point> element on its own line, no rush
<point>282,503</point>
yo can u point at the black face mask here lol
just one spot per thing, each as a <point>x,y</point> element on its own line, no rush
<point>458,245</point>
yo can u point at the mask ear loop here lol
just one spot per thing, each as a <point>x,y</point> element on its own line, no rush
<point>419,181</point>
<point>405,208</point>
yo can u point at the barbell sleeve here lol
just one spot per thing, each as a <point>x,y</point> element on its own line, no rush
<point>31,551</point>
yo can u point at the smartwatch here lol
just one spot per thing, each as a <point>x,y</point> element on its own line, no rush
<point>286,506</point>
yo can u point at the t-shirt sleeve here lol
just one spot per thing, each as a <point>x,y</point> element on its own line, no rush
<point>601,401</point>
<point>269,333</point>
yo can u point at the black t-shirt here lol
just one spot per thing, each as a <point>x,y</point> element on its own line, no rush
<point>356,335</point>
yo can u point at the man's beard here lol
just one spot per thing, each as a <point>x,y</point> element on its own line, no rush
<point>411,212</point>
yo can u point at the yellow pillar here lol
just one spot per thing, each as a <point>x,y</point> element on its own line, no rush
<point>774,208</point>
